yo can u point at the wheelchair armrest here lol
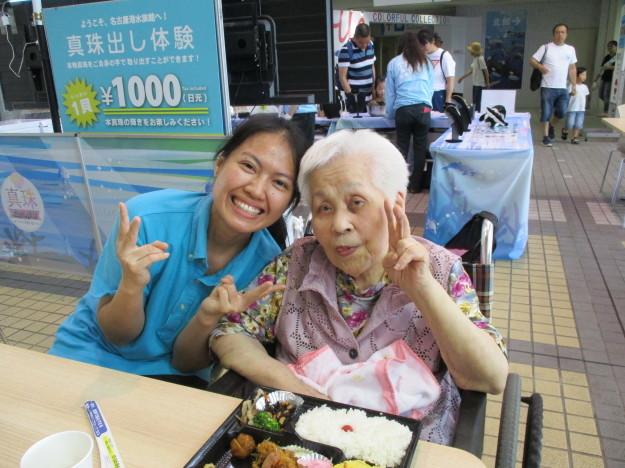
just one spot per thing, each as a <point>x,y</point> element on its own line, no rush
<point>469,434</point>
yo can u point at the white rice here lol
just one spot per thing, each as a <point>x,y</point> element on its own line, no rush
<point>375,440</point>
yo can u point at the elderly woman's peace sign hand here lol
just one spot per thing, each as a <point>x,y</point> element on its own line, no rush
<point>225,299</point>
<point>407,261</point>
<point>136,260</point>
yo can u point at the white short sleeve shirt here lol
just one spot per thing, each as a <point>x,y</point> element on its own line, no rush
<point>557,60</point>
<point>577,102</point>
<point>477,73</point>
<point>444,70</point>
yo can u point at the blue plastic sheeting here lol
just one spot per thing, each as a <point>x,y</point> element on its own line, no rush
<point>439,120</point>
<point>50,213</point>
<point>490,170</point>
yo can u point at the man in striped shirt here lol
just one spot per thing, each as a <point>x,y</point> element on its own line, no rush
<point>356,71</point>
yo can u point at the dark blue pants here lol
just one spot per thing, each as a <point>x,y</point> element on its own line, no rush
<point>604,94</point>
<point>477,98</point>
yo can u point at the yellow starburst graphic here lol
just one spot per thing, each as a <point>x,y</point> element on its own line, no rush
<point>80,102</point>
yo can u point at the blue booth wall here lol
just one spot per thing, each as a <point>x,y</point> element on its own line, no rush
<point>70,185</point>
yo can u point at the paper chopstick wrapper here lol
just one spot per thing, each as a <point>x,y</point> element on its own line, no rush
<point>109,454</point>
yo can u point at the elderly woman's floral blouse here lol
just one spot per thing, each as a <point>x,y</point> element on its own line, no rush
<point>355,305</point>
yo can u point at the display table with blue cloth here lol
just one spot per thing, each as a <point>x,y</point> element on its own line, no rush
<point>439,120</point>
<point>320,121</point>
<point>490,170</point>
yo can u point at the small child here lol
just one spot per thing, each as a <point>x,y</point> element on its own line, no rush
<point>577,106</point>
<point>378,93</point>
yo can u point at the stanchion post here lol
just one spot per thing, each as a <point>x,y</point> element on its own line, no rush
<point>46,66</point>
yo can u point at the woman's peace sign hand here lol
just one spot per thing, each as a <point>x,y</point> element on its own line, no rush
<point>407,261</point>
<point>225,299</point>
<point>136,260</point>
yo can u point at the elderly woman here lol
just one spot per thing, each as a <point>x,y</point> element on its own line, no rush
<point>361,284</point>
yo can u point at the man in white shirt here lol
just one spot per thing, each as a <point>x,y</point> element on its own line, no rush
<point>444,69</point>
<point>558,63</point>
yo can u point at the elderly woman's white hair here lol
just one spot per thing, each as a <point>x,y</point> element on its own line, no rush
<point>388,169</point>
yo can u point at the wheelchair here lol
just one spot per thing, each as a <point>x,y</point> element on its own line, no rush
<point>469,433</point>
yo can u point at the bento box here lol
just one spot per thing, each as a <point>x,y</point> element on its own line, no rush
<point>325,431</point>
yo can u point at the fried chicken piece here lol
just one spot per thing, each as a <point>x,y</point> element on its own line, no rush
<point>265,448</point>
<point>242,446</point>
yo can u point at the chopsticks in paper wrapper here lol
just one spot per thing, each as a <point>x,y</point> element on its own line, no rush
<point>109,454</point>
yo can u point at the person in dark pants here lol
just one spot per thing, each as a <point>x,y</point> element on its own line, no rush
<point>356,71</point>
<point>409,89</point>
<point>605,75</point>
<point>304,116</point>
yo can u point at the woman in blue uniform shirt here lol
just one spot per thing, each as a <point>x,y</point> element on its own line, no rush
<point>171,248</point>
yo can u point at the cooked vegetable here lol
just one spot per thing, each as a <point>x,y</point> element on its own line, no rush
<point>263,420</point>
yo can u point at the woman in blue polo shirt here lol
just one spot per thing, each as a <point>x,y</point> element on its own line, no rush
<point>171,248</point>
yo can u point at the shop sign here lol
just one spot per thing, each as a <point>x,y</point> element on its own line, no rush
<point>405,18</point>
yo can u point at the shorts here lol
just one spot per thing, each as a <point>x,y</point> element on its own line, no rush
<point>575,120</point>
<point>438,100</point>
<point>553,101</point>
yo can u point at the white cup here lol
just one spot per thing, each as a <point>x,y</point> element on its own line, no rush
<point>70,449</point>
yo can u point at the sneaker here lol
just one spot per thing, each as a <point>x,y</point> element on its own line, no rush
<point>564,135</point>
<point>575,141</point>
<point>552,132</point>
<point>546,141</point>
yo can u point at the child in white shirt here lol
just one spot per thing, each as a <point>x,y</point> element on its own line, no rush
<point>577,106</point>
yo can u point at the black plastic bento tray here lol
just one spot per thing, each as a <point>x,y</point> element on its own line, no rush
<point>216,449</point>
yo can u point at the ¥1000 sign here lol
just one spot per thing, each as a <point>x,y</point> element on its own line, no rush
<point>137,66</point>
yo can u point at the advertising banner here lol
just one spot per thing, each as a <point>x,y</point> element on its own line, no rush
<point>45,221</point>
<point>616,95</point>
<point>505,47</point>
<point>137,66</point>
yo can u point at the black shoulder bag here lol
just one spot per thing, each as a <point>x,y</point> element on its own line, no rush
<point>537,77</point>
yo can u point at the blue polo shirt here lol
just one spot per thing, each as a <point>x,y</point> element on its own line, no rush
<point>177,285</point>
